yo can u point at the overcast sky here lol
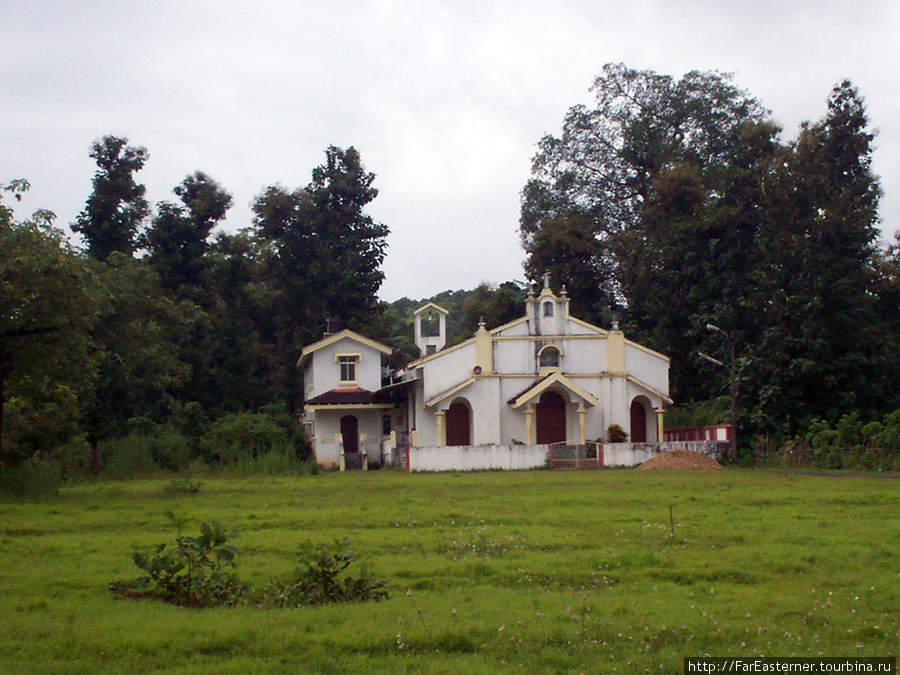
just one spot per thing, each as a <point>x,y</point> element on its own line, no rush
<point>444,100</point>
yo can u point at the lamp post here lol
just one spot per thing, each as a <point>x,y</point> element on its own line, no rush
<point>730,337</point>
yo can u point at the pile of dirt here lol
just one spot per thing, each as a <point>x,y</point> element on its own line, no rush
<point>682,460</point>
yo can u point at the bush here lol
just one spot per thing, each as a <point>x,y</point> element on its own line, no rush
<point>241,437</point>
<point>615,434</point>
<point>195,572</point>
<point>126,457</point>
<point>201,572</point>
<point>32,479</point>
<point>142,452</point>
<point>322,579</point>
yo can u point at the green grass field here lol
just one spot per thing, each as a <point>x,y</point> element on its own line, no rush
<point>519,572</point>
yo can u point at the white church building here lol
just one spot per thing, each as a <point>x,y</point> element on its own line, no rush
<point>545,378</point>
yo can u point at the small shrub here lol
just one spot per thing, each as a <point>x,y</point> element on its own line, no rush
<point>182,486</point>
<point>171,450</point>
<point>322,578</point>
<point>126,457</point>
<point>195,572</point>
<point>615,434</point>
<point>32,479</point>
<point>310,467</point>
<point>241,438</point>
<point>201,572</point>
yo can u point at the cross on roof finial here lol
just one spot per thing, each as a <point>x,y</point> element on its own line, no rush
<point>547,280</point>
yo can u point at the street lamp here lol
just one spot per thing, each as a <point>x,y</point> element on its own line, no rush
<point>730,337</point>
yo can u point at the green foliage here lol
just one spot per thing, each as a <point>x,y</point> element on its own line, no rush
<point>160,447</point>
<point>48,302</point>
<point>196,571</point>
<point>201,572</point>
<point>849,444</point>
<point>322,578</point>
<point>177,239</point>
<point>324,254</point>
<point>700,414</point>
<point>116,209</point>
<point>616,434</point>
<point>690,210</point>
<point>182,486</point>
<point>33,479</point>
<point>243,437</point>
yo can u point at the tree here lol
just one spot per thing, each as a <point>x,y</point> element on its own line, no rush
<point>821,351</point>
<point>494,305</point>
<point>138,335</point>
<point>46,309</point>
<point>116,209</point>
<point>177,240</point>
<point>589,186</point>
<point>694,259</point>
<point>325,252</point>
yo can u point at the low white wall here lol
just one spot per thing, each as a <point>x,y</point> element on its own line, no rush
<point>632,454</point>
<point>477,457</point>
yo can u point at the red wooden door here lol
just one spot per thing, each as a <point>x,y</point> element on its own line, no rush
<point>350,433</point>
<point>551,418</point>
<point>638,423</point>
<point>458,425</point>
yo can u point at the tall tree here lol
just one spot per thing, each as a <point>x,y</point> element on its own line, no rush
<point>116,209</point>
<point>821,348</point>
<point>137,335</point>
<point>178,237</point>
<point>47,306</point>
<point>325,251</point>
<point>599,173</point>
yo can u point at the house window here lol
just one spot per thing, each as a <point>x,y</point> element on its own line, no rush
<point>548,308</point>
<point>348,367</point>
<point>549,357</point>
<point>385,425</point>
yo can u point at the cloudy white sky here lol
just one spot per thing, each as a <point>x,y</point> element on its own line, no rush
<point>444,100</point>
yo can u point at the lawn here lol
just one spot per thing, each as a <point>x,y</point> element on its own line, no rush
<point>515,572</point>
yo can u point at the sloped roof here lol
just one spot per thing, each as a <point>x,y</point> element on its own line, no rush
<point>542,385</point>
<point>351,398</point>
<point>449,392</point>
<point>346,333</point>
<point>432,306</point>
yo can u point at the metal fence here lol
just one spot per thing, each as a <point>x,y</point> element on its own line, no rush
<point>579,456</point>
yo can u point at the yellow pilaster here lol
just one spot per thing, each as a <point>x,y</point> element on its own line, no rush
<point>484,349</point>
<point>615,350</point>
<point>441,428</point>
<point>581,433</point>
<point>529,425</point>
<point>660,425</point>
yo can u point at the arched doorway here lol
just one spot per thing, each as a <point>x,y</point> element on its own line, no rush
<point>551,418</point>
<point>638,422</point>
<point>459,424</point>
<point>350,433</point>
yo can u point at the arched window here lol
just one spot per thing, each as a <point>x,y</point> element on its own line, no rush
<point>548,308</point>
<point>549,357</point>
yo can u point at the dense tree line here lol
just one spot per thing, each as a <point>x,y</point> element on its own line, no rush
<point>668,204</point>
<point>156,320</point>
<point>674,204</point>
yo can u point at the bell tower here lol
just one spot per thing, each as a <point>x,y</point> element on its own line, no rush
<point>431,328</point>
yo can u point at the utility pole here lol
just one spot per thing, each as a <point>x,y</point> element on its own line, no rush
<point>730,337</point>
